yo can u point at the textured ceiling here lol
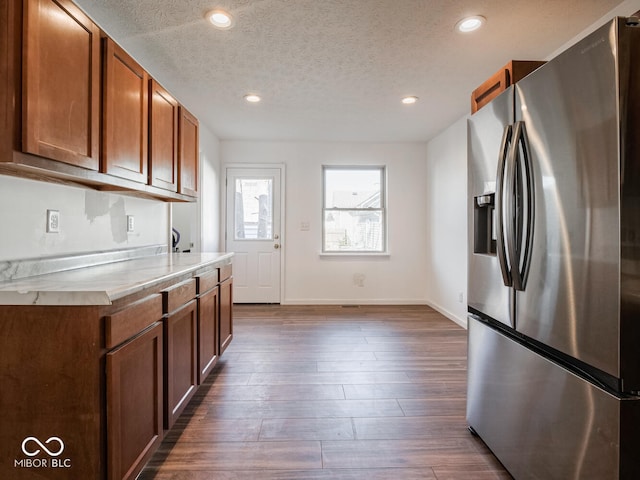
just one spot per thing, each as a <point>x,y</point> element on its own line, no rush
<point>335,70</point>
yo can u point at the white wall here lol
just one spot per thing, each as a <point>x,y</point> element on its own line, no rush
<point>626,8</point>
<point>199,222</point>
<point>90,220</point>
<point>446,212</point>
<point>313,279</point>
<point>210,188</point>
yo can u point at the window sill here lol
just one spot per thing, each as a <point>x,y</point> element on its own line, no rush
<point>354,254</point>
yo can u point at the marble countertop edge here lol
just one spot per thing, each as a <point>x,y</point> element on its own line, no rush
<point>103,284</point>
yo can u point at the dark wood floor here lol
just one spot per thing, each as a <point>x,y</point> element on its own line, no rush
<point>335,393</point>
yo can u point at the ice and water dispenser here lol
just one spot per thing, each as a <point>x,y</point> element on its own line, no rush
<point>484,221</point>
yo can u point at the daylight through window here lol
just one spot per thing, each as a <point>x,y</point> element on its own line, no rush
<point>354,209</point>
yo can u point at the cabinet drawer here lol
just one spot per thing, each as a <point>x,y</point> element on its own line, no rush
<point>128,322</point>
<point>207,281</point>
<point>176,296</point>
<point>225,272</point>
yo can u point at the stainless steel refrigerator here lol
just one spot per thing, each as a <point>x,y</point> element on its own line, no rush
<point>554,265</point>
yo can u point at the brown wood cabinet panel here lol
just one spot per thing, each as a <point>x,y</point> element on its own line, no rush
<point>10,28</point>
<point>126,323</point>
<point>163,138</point>
<point>181,357</point>
<point>225,272</point>
<point>189,154</point>
<point>226,313</point>
<point>134,403</point>
<point>511,73</point>
<point>178,295</point>
<point>207,281</point>
<point>61,83</point>
<point>125,115</point>
<point>207,333</point>
<point>50,386</point>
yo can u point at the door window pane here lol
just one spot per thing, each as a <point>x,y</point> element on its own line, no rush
<point>253,209</point>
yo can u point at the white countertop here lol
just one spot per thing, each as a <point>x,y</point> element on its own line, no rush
<point>102,284</point>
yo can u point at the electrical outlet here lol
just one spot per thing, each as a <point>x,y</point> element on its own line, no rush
<point>130,223</point>
<point>460,297</point>
<point>53,221</point>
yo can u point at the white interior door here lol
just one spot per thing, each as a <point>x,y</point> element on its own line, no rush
<point>253,232</point>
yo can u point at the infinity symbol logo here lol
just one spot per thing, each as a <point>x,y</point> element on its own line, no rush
<point>42,446</point>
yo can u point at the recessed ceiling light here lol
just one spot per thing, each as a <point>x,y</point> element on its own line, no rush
<point>470,24</point>
<point>411,99</point>
<point>220,18</point>
<point>252,98</point>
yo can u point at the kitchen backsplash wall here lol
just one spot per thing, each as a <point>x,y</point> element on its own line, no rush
<point>90,220</point>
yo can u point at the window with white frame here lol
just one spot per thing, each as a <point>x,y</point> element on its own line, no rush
<point>354,209</point>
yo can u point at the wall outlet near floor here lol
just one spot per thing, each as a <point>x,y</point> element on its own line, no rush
<point>130,223</point>
<point>460,297</point>
<point>53,221</point>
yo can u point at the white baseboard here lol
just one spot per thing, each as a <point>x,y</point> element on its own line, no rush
<point>354,301</point>
<point>454,318</point>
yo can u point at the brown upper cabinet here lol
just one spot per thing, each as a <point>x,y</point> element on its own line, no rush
<point>511,73</point>
<point>75,107</point>
<point>188,154</point>
<point>125,115</point>
<point>163,138</point>
<point>61,83</point>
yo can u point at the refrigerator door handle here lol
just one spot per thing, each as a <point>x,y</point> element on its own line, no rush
<point>520,248</point>
<point>500,224</point>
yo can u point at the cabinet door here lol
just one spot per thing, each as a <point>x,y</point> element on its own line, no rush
<point>10,25</point>
<point>207,333</point>
<point>134,403</point>
<point>61,83</point>
<point>226,313</point>
<point>125,115</point>
<point>163,142</point>
<point>188,154</point>
<point>181,353</point>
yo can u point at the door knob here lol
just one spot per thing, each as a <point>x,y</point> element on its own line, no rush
<point>276,246</point>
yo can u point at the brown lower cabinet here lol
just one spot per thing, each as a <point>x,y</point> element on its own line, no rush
<point>134,403</point>
<point>181,350</point>
<point>84,390</point>
<point>208,324</point>
<point>226,307</point>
